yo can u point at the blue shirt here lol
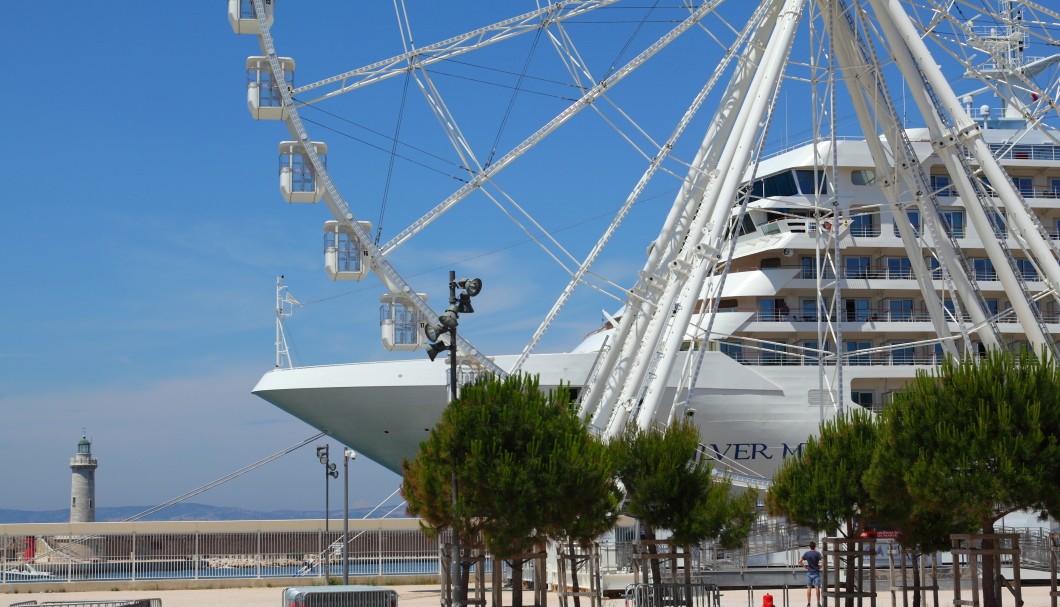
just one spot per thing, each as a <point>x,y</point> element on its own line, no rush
<point>812,559</point>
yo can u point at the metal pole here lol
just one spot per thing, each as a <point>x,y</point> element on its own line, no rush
<point>327,506</point>
<point>457,594</point>
<point>346,518</point>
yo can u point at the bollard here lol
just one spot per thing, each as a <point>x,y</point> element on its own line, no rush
<point>767,600</point>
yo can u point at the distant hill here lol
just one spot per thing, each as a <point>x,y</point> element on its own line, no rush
<point>178,512</point>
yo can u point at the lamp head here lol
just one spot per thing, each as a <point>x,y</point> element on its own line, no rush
<point>434,332</point>
<point>463,304</point>
<point>473,286</point>
<point>449,318</point>
<point>322,452</point>
<point>436,348</point>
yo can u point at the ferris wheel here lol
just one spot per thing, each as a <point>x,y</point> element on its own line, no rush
<point>617,143</point>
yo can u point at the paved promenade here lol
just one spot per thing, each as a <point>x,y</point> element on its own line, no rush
<point>428,596</point>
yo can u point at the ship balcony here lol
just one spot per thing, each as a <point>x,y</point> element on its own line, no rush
<point>758,353</point>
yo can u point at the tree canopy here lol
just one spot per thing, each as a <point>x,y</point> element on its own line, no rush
<point>668,487</point>
<point>824,489</point>
<point>962,446</point>
<point>525,465</point>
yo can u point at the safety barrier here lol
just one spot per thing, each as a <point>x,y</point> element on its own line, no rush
<point>671,594</point>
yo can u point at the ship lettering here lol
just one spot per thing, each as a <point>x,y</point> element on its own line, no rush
<point>741,451</point>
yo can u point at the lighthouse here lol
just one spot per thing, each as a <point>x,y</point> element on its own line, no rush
<point>83,483</point>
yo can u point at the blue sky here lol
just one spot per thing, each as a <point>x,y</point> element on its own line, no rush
<point>143,232</point>
<point>143,229</point>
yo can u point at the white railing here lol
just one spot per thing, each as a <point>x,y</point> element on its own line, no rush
<point>66,552</point>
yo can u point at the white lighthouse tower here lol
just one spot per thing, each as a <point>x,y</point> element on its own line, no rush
<point>83,483</point>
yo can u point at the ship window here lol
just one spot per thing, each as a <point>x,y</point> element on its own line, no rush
<point>862,176</point>
<point>781,184</point>
<point>733,351</point>
<point>954,222</point>
<point>863,223</point>
<point>770,262</point>
<point>1054,188</point>
<point>774,354</point>
<point>991,307</point>
<point>856,310</point>
<point>899,267</point>
<point>728,304</point>
<point>809,310</point>
<point>1025,185</point>
<point>984,269</point>
<point>1026,269</point>
<point>73,502</point>
<point>854,346</point>
<point>771,309</point>
<point>997,219</point>
<point>934,267</point>
<point>857,267</point>
<point>862,398</point>
<point>807,177</point>
<point>813,353</point>
<point>747,226</point>
<point>914,220</point>
<point>900,310</point>
<point>942,185</point>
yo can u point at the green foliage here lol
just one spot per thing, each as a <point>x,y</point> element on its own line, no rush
<point>668,488</point>
<point>526,467</point>
<point>823,489</point>
<point>965,445</point>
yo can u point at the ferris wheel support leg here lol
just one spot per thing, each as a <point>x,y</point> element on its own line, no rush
<point>601,399</point>
<point>689,273</point>
<point>917,66</point>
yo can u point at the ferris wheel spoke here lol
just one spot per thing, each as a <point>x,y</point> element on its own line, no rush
<point>583,102</point>
<point>452,47</point>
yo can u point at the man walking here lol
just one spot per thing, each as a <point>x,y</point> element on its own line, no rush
<point>811,560</point>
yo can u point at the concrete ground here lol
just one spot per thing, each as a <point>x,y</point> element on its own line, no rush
<point>428,596</point>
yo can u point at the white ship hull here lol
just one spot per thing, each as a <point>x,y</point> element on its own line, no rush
<point>750,416</point>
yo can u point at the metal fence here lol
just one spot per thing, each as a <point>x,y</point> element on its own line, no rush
<point>211,550</point>
<point>695,594</point>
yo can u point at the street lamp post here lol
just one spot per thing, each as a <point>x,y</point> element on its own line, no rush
<point>330,472</point>
<point>347,455</point>
<point>449,320</point>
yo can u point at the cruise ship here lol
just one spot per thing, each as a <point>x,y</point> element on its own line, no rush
<point>786,283</point>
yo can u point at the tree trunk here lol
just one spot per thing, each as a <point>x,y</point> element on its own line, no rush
<point>517,582</point>
<point>656,573</point>
<point>989,578</point>
<point>465,575</point>
<point>688,576</point>
<point>851,562</point>
<point>573,573</point>
<point>916,579</point>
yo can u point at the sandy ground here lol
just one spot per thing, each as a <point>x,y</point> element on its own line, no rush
<point>428,596</point>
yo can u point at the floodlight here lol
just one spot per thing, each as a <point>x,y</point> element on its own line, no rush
<point>473,286</point>
<point>322,450</point>
<point>449,318</point>
<point>434,349</point>
<point>463,304</point>
<point>434,332</point>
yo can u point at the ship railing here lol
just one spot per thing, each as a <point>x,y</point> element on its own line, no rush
<point>1025,151</point>
<point>871,315</point>
<point>808,142</point>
